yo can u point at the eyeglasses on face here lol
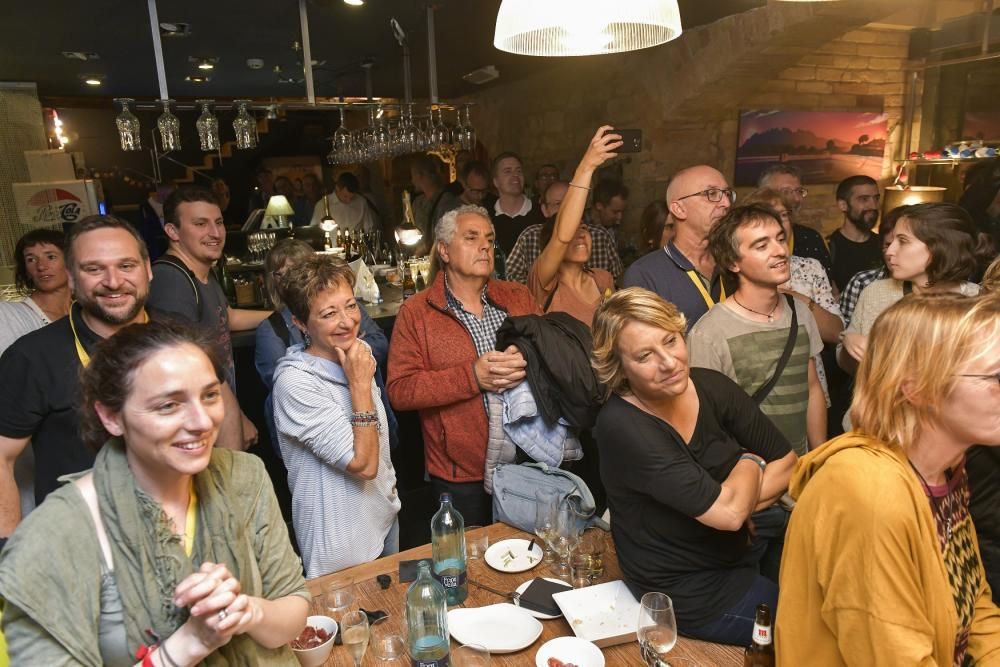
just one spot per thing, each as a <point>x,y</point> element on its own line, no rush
<point>800,191</point>
<point>713,195</point>
<point>985,376</point>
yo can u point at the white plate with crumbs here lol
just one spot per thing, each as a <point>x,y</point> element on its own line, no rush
<point>513,556</point>
<point>605,614</point>
<point>500,628</point>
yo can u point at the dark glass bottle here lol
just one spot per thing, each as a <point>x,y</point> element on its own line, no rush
<point>760,653</point>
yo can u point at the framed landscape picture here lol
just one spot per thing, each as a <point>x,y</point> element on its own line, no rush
<point>826,146</point>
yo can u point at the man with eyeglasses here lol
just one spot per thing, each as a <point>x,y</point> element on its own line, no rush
<point>545,175</point>
<point>786,179</point>
<point>684,272</point>
<point>853,247</point>
<point>475,178</point>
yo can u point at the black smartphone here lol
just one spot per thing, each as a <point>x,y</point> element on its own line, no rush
<point>631,140</point>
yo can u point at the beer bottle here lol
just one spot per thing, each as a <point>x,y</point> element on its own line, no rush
<point>409,287</point>
<point>760,653</point>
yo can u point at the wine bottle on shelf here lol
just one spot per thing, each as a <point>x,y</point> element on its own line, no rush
<point>226,280</point>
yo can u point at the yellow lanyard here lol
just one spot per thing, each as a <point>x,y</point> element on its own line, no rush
<point>190,523</point>
<point>80,352</point>
<point>704,292</point>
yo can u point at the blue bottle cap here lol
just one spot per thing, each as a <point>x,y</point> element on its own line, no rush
<point>446,497</point>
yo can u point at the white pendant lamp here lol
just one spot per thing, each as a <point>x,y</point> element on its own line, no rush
<point>584,27</point>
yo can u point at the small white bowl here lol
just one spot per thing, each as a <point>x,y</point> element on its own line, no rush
<point>570,649</point>
<point>314,657</point>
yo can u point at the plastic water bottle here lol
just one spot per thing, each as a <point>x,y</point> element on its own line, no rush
<point>448,549</point>
<point>427,620</point>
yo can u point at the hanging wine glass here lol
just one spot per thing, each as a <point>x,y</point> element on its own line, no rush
<point>411,135</point>
<point>128,126</point>
<point>469,132</point>
<point>208,126</point>
<point>383,140</point>
<point>440,135</point>
<point>169,127</point>
<point>458,132</point>
<point>244,125</point>
<point>341,141</point>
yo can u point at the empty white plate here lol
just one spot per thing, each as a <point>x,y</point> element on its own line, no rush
<point>573,650</point>
<point>501,628</point>
<point>512,555</point>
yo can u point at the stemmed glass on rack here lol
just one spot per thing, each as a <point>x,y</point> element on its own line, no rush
<point>657,628</point>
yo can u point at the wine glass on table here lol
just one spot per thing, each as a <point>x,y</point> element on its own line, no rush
<point>657,628</point>
<point>354,634</point>
<point>546,502</point>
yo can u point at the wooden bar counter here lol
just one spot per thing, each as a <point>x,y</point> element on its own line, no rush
<point>371,597</point>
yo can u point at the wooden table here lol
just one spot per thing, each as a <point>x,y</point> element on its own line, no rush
<point>371,597</point>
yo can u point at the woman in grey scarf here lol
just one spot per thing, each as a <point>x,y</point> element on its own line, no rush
<point>168,549</point>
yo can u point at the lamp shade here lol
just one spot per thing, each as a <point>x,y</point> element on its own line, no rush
<point>278,205</point>
<point>897,195</point>
<point>584,27</point>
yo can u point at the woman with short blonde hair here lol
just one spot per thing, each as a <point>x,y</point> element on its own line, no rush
<point>880,556</point>
<point>687,458</point>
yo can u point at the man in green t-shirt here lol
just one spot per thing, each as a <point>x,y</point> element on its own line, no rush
<point>745,336</point>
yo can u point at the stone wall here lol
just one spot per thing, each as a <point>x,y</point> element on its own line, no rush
<point>686,95</point>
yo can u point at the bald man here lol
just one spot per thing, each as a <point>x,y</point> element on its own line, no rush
<point>683,272</point>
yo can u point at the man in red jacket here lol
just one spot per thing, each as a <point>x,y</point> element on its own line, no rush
<point>442,357</point>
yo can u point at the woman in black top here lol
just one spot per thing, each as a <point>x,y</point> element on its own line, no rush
<point>687,458</point>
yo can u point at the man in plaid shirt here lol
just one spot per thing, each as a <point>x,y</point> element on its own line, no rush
<point>603,254</point>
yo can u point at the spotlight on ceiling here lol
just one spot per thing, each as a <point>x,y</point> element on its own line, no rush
<point>354,3</point>
<point>204,64</point>
<point>197,78</point>
<point>92,81</point>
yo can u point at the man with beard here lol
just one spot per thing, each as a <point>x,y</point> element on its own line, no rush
<point>853,247</point>
<point>109,274</point>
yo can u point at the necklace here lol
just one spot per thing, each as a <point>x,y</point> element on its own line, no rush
<point>939,518</point>
<point>769,316</point>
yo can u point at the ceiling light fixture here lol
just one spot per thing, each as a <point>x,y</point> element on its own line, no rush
<point>354,3</point>
<point>206,65</point>
<point>80,55</point>
<point>197,78</point>
<point>584,27</point>
<point>92,81</point>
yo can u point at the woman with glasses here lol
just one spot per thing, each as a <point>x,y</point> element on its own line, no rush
<point>880,564</point>
<point>561,280</point>
<point>277,333</point>
<point>935,248</point>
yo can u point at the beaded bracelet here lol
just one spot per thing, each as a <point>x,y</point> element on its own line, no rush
<point>364,418</point>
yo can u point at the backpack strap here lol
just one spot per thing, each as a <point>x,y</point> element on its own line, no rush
<point>169,260</point>
<point>280,328</point>
<point>765,389</point>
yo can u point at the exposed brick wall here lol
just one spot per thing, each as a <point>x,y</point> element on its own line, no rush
<point>686,95</point>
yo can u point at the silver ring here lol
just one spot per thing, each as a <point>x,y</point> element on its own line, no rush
<point>222,615</point>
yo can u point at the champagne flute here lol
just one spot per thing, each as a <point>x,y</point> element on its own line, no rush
<point>354,634</point>
<point>657,628</point>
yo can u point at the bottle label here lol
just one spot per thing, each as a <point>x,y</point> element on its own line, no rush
<point>761,634</point>
<point>452,580</point>
<point>439,662</point>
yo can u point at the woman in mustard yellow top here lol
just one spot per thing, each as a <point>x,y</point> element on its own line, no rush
<point>168,550</point>
<point>880,565</point>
